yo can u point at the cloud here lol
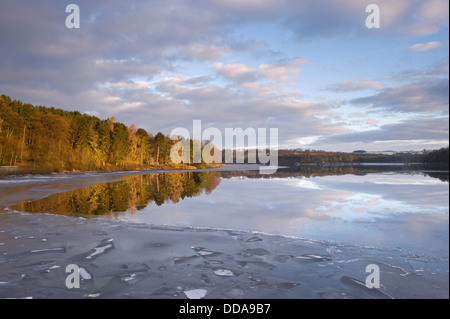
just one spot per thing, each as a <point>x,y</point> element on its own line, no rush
<point>418,129</point>
<point>426,95</point>
<point>129,85</point>
<point>236,72</point>
<point>205,52</point>
<point>281,71</point>
<point>422,47</point>
<point>356,85</point>
<point>310,19</point>
<point>441,68</point>
<point>178,100</point>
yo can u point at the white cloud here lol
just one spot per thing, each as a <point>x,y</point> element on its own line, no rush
<point>422,47</point>
<point>238,72</point>
<point>282,72</point>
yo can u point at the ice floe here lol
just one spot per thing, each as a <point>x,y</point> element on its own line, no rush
<point>84,274</point>
<point>61,249</point>
<point>195,293</point>
<point>99,250</point>
<point>224,273</point>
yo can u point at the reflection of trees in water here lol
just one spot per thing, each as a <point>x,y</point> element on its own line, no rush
<point>444,177</point>
<point>130,194</point>
<point>136,192</point>
<point>316,170</point>
<point>311,171</point>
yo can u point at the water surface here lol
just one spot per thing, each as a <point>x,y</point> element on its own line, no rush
<point>398,210</point>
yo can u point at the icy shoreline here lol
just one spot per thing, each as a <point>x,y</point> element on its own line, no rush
<point>123,260</point>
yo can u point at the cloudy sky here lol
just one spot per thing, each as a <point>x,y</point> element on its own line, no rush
<point>310,68</point>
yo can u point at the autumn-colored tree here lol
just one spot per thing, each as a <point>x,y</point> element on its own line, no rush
<point>143,146</point>
<point>120,146</point>
<point>162,147</point>
<point>50,140</point>
<point>12,134</point>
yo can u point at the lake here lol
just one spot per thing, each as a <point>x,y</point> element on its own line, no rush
<point>384,209</point>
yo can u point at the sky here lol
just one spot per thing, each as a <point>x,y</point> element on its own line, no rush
<point>311,68</point>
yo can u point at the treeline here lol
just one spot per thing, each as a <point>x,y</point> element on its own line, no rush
<point>297,158</point>
<point>287,157</point>
<point>437,158</point>
<point>51,139</point>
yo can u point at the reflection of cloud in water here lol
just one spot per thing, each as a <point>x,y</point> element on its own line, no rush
<point>406,180</point>
<point>307,184</point>
<point>267,205</point>
<point>408,188</point>
<point>369,207</point>
<point>374,202</point>
<point>336,208</point>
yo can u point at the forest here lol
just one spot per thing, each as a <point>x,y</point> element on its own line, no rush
<point>48,139</point>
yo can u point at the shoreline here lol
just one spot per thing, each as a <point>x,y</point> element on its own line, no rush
<point>141,171</point>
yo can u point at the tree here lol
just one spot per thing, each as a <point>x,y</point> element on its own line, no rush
<point>104,131</point>
<point>143,145</point>
<point>50,142</point>
<point>12,130</point>
<point>162,148</point>
<point>133,144</point>
<point>119,145</point>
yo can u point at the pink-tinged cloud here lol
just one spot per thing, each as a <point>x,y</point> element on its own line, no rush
<point>423,47</point>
